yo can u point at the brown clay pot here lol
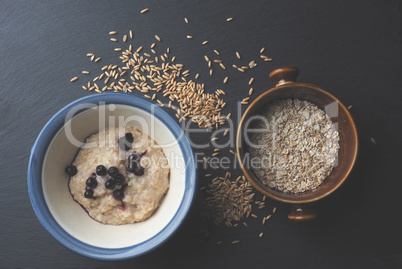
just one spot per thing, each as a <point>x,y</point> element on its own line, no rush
<point>285,88</point>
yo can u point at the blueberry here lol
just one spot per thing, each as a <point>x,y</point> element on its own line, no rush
<point>113,171</point>
<point>133,162</point>
<point>118,194</point>
<point>134,157</point>
<point>138,170</point>
<point>129,137</point>
<point>110,184</point>
<point>119,179</point>
<point>124,144</point>
<point>89,193</point>
<point>71,170</point>
<point>91,182</point>
<point>101,170</point>
<point>131,167</point>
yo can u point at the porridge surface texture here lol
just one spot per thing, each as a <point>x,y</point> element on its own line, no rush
<point>297,147</point>
<point>143,194</point>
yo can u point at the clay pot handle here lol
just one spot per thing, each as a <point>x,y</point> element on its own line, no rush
<point>302,213</point>
<point>284,75</point>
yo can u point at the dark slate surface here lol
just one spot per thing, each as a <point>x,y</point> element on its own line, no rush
<point>352,48</point>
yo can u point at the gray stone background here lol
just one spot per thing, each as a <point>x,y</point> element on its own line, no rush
<point>351,48</point>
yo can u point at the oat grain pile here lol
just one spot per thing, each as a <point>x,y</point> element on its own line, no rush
<point>156,74</point>
<point>298,148</point>
<point>229,201</point>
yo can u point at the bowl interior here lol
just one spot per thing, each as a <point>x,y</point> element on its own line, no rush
<point>338,114</point>
<point>62,150</point>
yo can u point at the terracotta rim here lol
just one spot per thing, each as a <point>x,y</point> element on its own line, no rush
<point>248,173</point>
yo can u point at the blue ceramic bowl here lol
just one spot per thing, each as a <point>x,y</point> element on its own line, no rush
<point>55,148</point>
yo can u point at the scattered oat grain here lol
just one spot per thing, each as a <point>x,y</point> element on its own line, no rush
<point>252,64</point>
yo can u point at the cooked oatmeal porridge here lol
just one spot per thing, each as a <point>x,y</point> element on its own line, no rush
<point>121,180</point>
